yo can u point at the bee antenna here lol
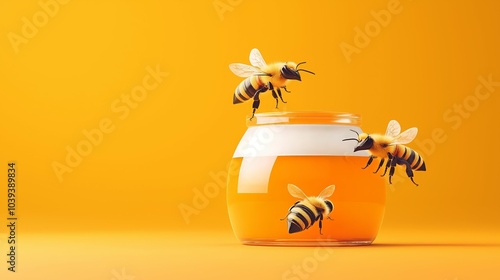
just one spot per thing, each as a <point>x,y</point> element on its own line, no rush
<point>299,64</point>
<point>297,68</point>
<point>352,139</point>
<point>306,71</point>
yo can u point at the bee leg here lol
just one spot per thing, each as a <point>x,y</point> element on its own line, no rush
<point>279,94</point>
<point>253,112</point>
<point>386,167</point>
<point>411,178</point>
<point>379,165</point>
<point>286,89</point>
<point>320,218</point>
<point>409,171</point>
<point>275,97</point>
<point>256,103</point>
<point>389,162</point>
<point>369,161</point>
<point>393,167</point>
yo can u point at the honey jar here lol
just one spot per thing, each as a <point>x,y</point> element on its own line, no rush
<point>303,149</point>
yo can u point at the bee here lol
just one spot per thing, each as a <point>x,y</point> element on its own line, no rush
<point>261,77</point>
<point>391,147</point>
<point>309,209</point>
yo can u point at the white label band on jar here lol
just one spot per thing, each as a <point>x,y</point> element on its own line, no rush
<point>298,140</point>
<point>261,145</point>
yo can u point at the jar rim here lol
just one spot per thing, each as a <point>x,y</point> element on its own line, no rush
<point>304,117</point>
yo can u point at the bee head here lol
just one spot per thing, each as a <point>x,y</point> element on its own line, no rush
<point>365,141</point>
<point>365,144</point>
<point>291,70</point>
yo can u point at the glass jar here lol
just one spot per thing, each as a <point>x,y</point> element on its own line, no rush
<point>304,149</point>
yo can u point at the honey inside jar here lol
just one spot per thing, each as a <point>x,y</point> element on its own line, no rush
<point>306,151</point>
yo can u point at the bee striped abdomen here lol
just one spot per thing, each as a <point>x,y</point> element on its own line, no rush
<point>301,217</point>
<point>413,158</point>
<point>247,89</point>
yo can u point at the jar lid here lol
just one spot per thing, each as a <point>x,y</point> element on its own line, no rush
<point>304,117</point>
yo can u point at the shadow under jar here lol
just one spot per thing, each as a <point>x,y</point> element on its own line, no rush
<point>304,149</point>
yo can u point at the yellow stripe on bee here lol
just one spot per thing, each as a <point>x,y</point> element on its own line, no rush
<point>405,153</point>
<point>238,97</point>
<point>236,93</point>
<point>417,157</point>
<point>298,220</point>
<point>255,82</point>
<point>419,165</point>
<point>310,206</point>
<point>242,90</point>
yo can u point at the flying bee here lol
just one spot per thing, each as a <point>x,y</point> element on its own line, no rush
<point>261,77</point>
<point>309,209</point>
<point>390,146</point>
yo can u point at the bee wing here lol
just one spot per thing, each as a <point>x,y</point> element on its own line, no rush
<point>327,192</point>
<point>407,136</point>
<point>256,59</point>
<point>243,70</point>
<point>393,128</point>
<point>296,192</point>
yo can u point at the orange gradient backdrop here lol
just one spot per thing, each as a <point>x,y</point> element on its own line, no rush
<point>74,68</point>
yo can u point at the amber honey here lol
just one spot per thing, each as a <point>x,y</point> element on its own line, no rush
<point>309,153</point>
<point>359,201</point>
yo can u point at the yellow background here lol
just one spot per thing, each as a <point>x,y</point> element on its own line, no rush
<point>66,77</point>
